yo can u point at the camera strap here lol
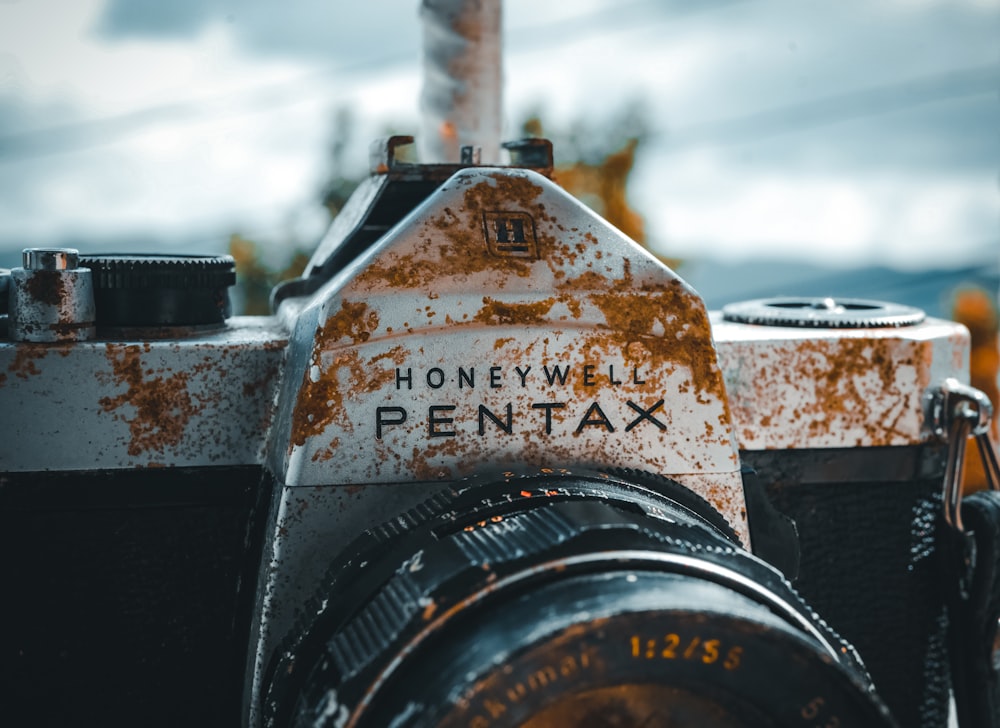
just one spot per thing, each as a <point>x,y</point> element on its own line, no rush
<point>959,412</point>
<point>974,612</point>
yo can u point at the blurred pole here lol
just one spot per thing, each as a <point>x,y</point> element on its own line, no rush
<point>460,102</point>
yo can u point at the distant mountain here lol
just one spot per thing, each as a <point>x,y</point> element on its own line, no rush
<point>931,290</point>
<point>718,282</point>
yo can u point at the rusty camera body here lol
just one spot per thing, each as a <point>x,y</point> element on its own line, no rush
<point>488,463</point>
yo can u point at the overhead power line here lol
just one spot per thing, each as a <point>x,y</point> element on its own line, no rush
<point>774,121</point>
<point>81,135</point>
<point>854,104</point>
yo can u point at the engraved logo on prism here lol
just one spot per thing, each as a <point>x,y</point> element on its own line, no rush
<point>510,234</point>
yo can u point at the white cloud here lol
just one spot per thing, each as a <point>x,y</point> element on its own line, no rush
<point>236,137</point>
<point>51,44</point>
<point>704,203</point>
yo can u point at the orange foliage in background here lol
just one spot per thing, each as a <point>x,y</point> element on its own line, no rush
<point>602,187</point>
<point>977,310</point>
<point>255,279</point>
<point>599,174</point>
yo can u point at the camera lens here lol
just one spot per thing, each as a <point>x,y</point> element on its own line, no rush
<point>563,598</point>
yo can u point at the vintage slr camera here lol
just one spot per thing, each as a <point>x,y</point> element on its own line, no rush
<point>488,464</point>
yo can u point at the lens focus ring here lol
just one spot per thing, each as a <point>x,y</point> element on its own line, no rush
<point>451,578</point>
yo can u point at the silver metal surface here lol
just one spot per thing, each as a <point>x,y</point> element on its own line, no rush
<point>501,321</point>
<point>50,258</point>
<point>200,400</point>
<point>956,412</point>
<point>800,388</point>
<point>50,299</point>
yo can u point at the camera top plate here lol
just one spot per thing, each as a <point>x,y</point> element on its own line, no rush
<point>794,387</point>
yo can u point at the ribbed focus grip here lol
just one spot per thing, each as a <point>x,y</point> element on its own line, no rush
<point>415,587</point>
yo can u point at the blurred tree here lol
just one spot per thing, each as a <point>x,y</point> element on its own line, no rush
<point>594,162</point>
<point>254,279</point>
<point>976,309</point>
<point>338,188</point>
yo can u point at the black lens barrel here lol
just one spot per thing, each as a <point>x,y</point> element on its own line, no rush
<point>604,565</point>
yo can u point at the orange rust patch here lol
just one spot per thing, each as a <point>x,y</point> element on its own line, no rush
<point>23,365</point>
<point>827,375</point>
<point>460,248</point>
<point>497,312</point>
<point>327,452</point>
<point>250,389</point>
<point>834,371</point>
<point>423,459</point>
<point>163,405</point>
<point>354,321</point>
<point>429,611</point>
<point>320,396</point>
<point>586,281</point>
<point>671,325</point>
<point>47,286</point>
<point>321,402</point>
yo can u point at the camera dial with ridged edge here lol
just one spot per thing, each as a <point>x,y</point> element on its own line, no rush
<point>137,290</point>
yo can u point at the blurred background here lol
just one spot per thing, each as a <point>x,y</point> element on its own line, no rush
<point>762,147</point>
<point>797,140</point>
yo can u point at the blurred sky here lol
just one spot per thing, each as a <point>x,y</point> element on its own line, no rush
<point>841,133</point>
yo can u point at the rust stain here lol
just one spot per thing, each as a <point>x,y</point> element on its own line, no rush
<point>496,312</point>
<point>501,342</point>
<point>832,387</point>
<point>275,345</point>
<point>320,397</point>
<point>25,357</point>
<point>586,281</point>
<point>670,324</point>
<point>425,461</point>
<point>251,389</point>
<point>163,406</point>
<point>328,452</point>
<point>459,249</point>
<point>46,286</point>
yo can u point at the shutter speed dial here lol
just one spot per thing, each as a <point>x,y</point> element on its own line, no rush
<point>134,290</point>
